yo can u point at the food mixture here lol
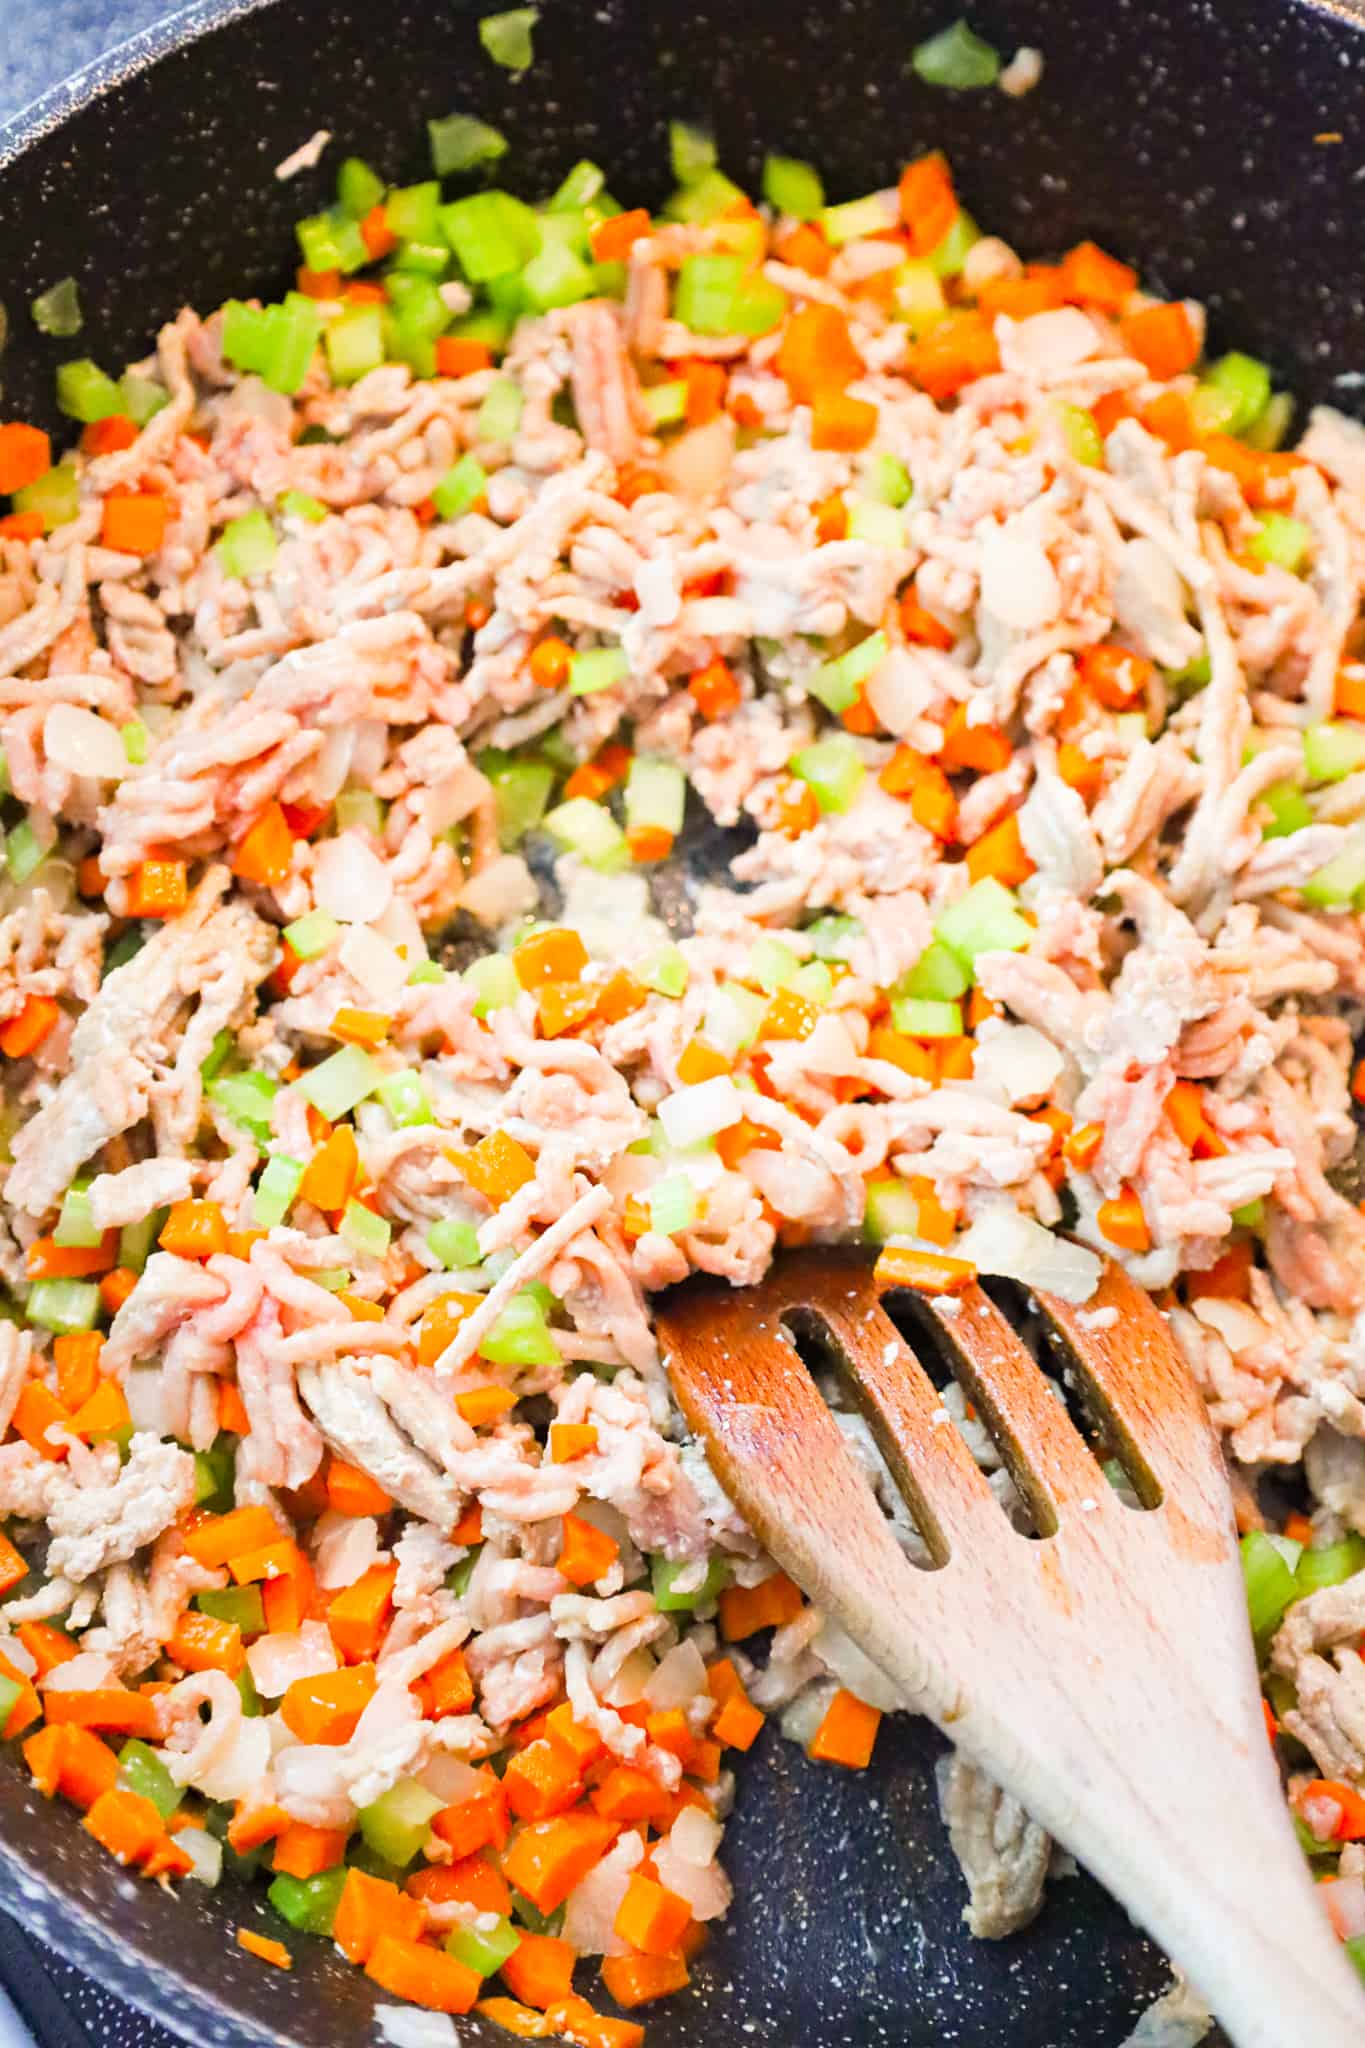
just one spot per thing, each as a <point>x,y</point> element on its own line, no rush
<point>370,1061</point>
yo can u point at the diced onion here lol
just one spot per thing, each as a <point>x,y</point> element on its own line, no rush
<point>1018,582</point>
<point>85,1672</point>
<point>378,966</point>
<point>627,1689</point>
<point>275,1661</point>
<point>1344,1898</point>
<point>83,744</point>
<point>205,1852</point>
<point>695,1836</point>
<point>706,1889</point>
<point>345,1547</point>
<point>1016,1059</point>
<point>680,1677</point>
<point>503,890</point>
<point>236,1774</point>
<point>694,1114</point>
<point>449,1778</point>
<point>591,1909</point>
<point>407,2026</point>
<point>855,1670</point>
<point>802,1718</point>
<point>1016,1248</point>
<point>350,880</point>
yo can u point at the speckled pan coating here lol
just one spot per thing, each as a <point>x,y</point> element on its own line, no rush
<point>1184,136</point>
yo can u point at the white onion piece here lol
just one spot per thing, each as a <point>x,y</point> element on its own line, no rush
<point>205,1852</point>
<point>83,743</point>
<point>1018,583</point>
<point>855,1670</point>
<point>345,1546</point>
<point>20,1655</point>
<point>254,400</point>
<point>450,1778</point>
<point>407,2026</point>
<point>1016,1059</point>
<point>802,1718</point>
<point>697,464</point>
<point>275,1661</point>
<point>234,1775</point>
<point>350,881</point>
<point>1344,1898</point>
<point>1016,1248</point>
<point>707,1889</point>
<point>85,1672</point>
<point>379,967</point>
<point>694,1114</point>
<point>1052,341</point>
<point>503,890</point>
<point>591,1908</point>
<point>400,927</point>
<point>900,691</point>
<point>142,1390</point>
<point>610,913</point>
<point>695,1836</point>
<point>678,1680</point>
<point>627,1689</point>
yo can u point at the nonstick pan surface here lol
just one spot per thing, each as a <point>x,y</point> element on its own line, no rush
<point>1219,147</point>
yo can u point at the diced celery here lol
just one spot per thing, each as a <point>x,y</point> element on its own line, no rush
<point>734,1017</point>
<point>369,1233</point>
<point>772,965</point>
<point>136,741</point>
<point>63,1306</point>
<point>1289,810</point>
<point>531,1918</point>
<point>1251,1215</point>
<point>857,218</point>
<point>833,770</point>
<point>312,934</point>
<point>454,1242</point>
<point>355,343</point>
<point>1269,1584</point>
<point>556,276</point>
<point>135,1240</point>
<point>581,186</point>
<point>1271,429</point>
<point>708,199</point>
<point>359,189</point>
<point>214,1471</point>
<point>141,1770</point>
<point>500,413</point>
<point>247,546</point>
<point>57,311</point>
<point>86,394</point>
<point>706,290</point>
<point>1329,1566</point>
<point>1281,541</point>
<point>596,668</point>
<point>461,142</point>
<point>299,505</point>
<point>814,981</point>
<point>242,1605</point>
<point>247,1693</point>
<point>359,807</point>
<point>792,187</point>
<point>918,294</point>
<point>245,1099</point>
<point>413,212</point>
<point>891,1211</point>
<point>521,1335</point>
<point>483,1950</point>
<point>332,241</point>
<point>886,480</point>
<point>1334,885</point>
<point>55,497</point>
<point>143,397</point>
<point>656,793</point>
<point>426,971</point>
<point>25,852</point>
<point>507,36</point>
<point>672,1205</point>
<point>245,329</point>
<point>666,973</point>
<point>985,920</point>
<point>491,233</point>
<point>665,1571</point>
<point>219,1052</point>
<point>309,1903</point>
<point>461,488</point>
<point>666,404</point>
<point>691,151</point>
<point>494,982</point>
<point>275,1190</point>
<point>421,259</point>
<point>1083,439</point>
<point>832,937</point>
<point>939,974</point>
<point>340,1082</point>
<point>333,1278</point>
<point>406,1100</point>
<point>757,306</point>
<point>521,791</point>
<point>947,257</point>
<point>76,1227</point>
<point>919,1017</point>
<point>398,1824</point>
<point>882,526</point>
<point>589,830</point>
<point>956,59</point>
<point>837,683</point>
<point>1232,394</point>
<point>11,1690</point>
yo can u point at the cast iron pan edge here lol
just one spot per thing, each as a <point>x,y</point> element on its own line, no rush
<point>1194,152</point>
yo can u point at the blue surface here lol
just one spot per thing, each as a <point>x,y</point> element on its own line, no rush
<point>43,41</point>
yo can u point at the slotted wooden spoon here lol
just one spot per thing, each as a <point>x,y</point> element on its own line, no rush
<point>1103,1671</point>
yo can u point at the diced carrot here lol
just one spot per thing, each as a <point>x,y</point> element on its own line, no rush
<point>1298,1528</point>
<point>288,1602</point>
<point>1092,277</point>
<point>330,1176</point>
<point>953,352</point>
<point>21,526</point>
<point>1228,1279</point>
<point>266,851</point>
<point>983,748</point>
<point>920,625</point>
<point>251,1826</point>
<point>35,1413</point>
<point>805,248</point>
<point>1114,677</point>
<point>483,1405</point>
<point>738,1725</point>
<point>585,1553</point>
<point>1080,771</point>
<point>575,2019</point>
<point>932,803</point>
<point>1108,409</point>
<point>134,522</point>
<point>71,1761</point>
<point>706,388</point>
<point>158,888</point>
<point>109,436</point>
<point>194,1230</point>
<point>554,954</point>
<point>723,1682</point>
<point>540,1970</point>
<point>1349,701</point>
<point>620,997</point>
<point>637,1980</point>
<point>1185,1108</point>
<point>790,1017</point>
<point>125,1824</point>
<point>326,1708</point>
<point>925,1272</point>
<point>699,1061</point>
<point>840,422</point>
<point>201,1643</point>
<point>241,1241</point>
<point>831,519</point>
<point>217,1538</point>
<point>817,355</point>
<point>744,1610</point>
<point>594,778</point>
<point>847,1733</point>
<point>107,1706</point>
<point>361,1027</point>
<point>1020,297</point>
<point>473,1881</point>
<point>796,809</point>
<point>614,238</point>
<point>262,1946</point>
<point>569,1440</point>
<point>1000,853</point>
<point>447,1688</point>
<point>25,1031</point>
<point>928,203</point>
<point>651,1918</point>
<point>1168,417</point>
<point>549,1857</point>
<point>47,1260</point>
<point>1351,1826</point>
<point>469,1528</point>
<point>77,1359</point>
<point>1123,1223</point>
<point>358,1616</point>
<point>459,356</point>
<point>583,1744</point>
<point>441,1321</point>
<point>426,1975</point>
<point>370,1908</point>
<point>669,1729</point>
<point>232,1415</point>
<point>105,1414</point>
<point>304,1851</point>
<point>26,1707</point>
<point>47,1646</point>
<point>935,1222</point>
<point>628,1795</point>
<point>25,455</point>
<point>1162,338</point>
<point>496,1167</point>
<point>906,1053</point>
<point>352,1492</point>
<point>649,844</point>
<point>318,284</point>
<point>476,1821</point>
<point>1083,1146</point>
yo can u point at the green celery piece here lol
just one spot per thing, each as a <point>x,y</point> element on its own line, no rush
<point>63,1306</point>
<point>772,965</point>
<point>214,1471</point>
<point>706,292</point>
<point>691,151</point>
<point>672,1205</point>
<point>656,793</point>
<point>312,934</point>
<point>837,683</point>
<point>250,1698</point>
<point>891,1211</point>
<point>244,1099</point>
<point>461,488</point>
<point>856,218</point>
<point>947,257</point>
<point>1289,810</point>
<point>1355,1952</point>
<point>792,187</point>
<point>331,241</point>
<point>596,668</point>
<point>359,189</point>
<point>461,143</point>
<point>57,311</point>
<point>339,1083</point>
<point>143,397</point>
<point>1232,394</point>
<point>75,1227</point>
<point>25,852</point>
<point>521,1335</point>
<point>1251,1215</point>
<point>832,768</point>
<point>405,1099</point>
<point>532,1919</point>
<point>493,979</point>
<point>136,1240</point>
<point>86,394</point>
<point>664,1571</point>
<point>1334,885</point>
<point>309,1903</point>
<point>507,37</point>
<point>956,59</point>
<point>1270,1587</point>
<point>398,1823</point>
<point>1281,541</point>
<point>455,1243</point>
<point>247,546</point>
<point>11,1690</point>
<point>831,937</point>
<point>55,497</point>
<point>413,212</point>
<point>500,413</point>
<point>921,1017</point>
<point>275,1190</point>
<point>939,974</point>
<point>666,973</point>
<point>581,186</point>
<point>521,794</point>
<point>491,233</point>
<point>1083,439</point>
<point>1329,1566</point>
<point>985,920</point>
<point>355,343</point>
<point>423,259</point>
<point>589,830</point>
<point>141,1770</point>
<point>368,1233</point>
<point>706,199</point>
<point>483,1950</point>
<point>887,480</point>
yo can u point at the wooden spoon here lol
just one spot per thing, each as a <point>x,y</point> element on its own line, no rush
<point>1102,1671</point>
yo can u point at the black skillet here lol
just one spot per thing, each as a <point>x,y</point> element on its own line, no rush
<point>1220,147</point>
